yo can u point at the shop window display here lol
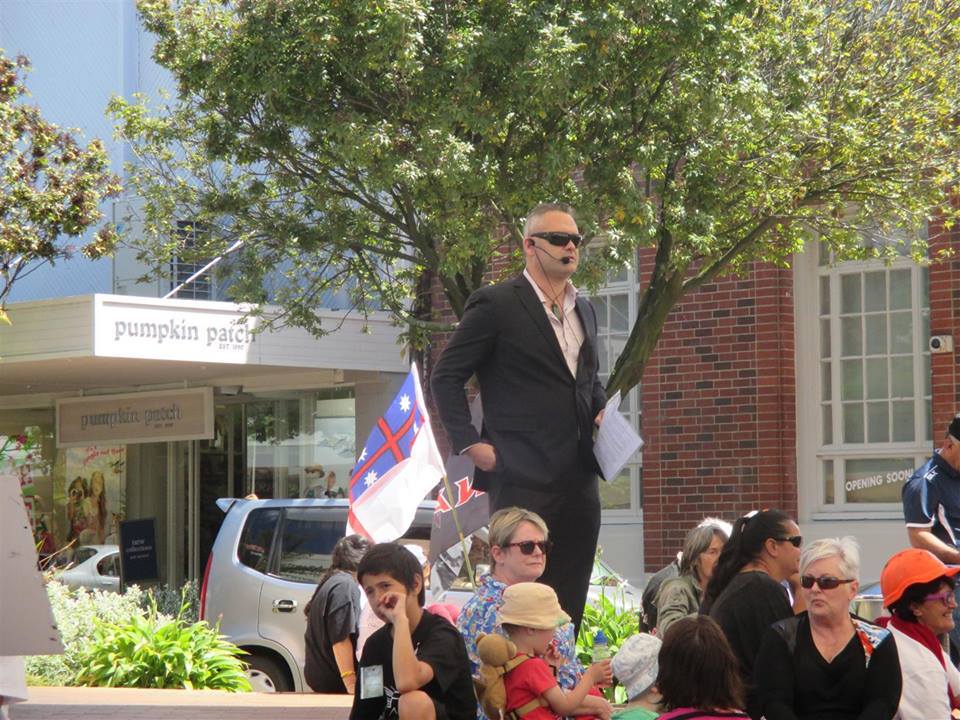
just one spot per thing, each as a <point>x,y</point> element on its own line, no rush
<point>301,444</point>
<point>93,500</point>
<point>73,496</point>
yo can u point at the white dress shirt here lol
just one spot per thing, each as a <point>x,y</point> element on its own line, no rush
<point>566,324</point>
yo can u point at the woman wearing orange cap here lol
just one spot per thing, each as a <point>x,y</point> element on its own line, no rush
<point>918,591</point>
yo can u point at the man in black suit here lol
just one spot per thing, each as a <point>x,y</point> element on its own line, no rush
<point>531,341</point>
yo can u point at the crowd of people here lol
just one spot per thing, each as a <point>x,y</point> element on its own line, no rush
<point>747,622</point>
<point>754,624</point>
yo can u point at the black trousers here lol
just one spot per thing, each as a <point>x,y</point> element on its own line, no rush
<point>573,519</point>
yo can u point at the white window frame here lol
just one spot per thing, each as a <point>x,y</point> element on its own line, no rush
<point>625,286</point>
<point>203,287</point>
<point>811,452</point>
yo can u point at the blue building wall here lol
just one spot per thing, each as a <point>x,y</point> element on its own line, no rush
<point>82,53</point>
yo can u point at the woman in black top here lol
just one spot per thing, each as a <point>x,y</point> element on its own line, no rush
<point>826,663</point>
<point>332,615</point>
<point>745,594</point>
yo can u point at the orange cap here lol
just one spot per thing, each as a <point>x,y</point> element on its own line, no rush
<point>910,567</point>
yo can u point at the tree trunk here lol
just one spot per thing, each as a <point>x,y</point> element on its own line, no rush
<point>659,299</point>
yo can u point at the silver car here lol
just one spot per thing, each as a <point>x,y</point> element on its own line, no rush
<point>95,567</point>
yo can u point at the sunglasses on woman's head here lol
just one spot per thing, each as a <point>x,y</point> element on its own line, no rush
<point>826,582</point>
<point>527,546</point>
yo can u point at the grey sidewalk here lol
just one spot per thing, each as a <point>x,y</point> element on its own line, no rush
<point>59,703</point>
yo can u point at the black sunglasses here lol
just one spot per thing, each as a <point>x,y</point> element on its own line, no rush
<point>795,540</point>
<point>527,546</point>
<point>559,239</point>
<point>826,582</point>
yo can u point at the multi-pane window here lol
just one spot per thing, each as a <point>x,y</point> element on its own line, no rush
<point>201,287</point>
<point>616,306</point>
<point>874,321</point>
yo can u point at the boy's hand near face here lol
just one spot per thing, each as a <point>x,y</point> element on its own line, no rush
<point>393,606</point>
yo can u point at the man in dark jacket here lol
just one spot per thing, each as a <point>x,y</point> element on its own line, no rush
<point>531,341</point>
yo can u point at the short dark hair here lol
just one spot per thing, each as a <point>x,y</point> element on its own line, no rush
<point>915,594</point>
<point>397,562</point>
<point>697,668</point>
<point>543,209</point>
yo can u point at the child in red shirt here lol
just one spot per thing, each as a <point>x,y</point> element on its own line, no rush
<point>530,615</point>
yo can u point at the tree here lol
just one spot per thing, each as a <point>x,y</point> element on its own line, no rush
<point>354,146</point>
<point>51,187</point>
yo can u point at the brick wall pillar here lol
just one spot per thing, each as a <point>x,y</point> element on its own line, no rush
<point>718,403</point>
<point>944,320</point>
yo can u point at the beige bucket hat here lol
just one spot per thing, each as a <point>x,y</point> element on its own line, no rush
<point>532,605</point>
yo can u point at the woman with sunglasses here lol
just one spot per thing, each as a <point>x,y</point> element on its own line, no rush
<point>746,593</point>
<point>826,662</point>
<point>918,590</point>
<point>518,553</point>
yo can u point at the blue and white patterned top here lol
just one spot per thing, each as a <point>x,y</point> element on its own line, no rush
<point>479,615</point>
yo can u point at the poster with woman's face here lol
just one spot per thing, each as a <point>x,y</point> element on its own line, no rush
<point>94,494</point>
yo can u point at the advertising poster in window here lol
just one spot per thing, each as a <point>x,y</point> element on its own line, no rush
<point>93,495</point>
<point>22,459</point>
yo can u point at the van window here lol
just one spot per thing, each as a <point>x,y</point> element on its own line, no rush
<point>257,537</point>
<point>307,541</point>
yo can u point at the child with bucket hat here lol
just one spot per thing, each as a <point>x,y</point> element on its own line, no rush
<point>530,615</point>
<point>635,666</point>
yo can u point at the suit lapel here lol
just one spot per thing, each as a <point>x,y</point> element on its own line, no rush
<point>531,303</point>
<point>586,319</point>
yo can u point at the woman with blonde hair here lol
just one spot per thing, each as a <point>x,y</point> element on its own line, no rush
<point>518,551</point>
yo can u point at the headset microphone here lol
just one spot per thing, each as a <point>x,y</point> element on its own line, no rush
<point>565,259</point>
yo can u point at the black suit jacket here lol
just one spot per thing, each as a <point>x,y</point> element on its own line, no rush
<point>537,416</point>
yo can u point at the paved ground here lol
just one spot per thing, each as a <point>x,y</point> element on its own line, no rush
<point>48,703</point>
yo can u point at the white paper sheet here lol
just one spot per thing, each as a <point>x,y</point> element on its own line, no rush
<point>616,441</point>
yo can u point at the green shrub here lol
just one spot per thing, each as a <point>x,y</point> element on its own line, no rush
<point>153,651</point>
<point>173,601</point>
<point>76,612</point>
<point>617,625</point>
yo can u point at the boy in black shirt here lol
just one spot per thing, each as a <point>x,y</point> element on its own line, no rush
<point>415,667</point>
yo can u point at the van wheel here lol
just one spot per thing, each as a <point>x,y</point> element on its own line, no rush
<point>266,675</point>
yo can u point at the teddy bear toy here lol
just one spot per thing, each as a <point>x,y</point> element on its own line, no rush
<point>495,653</point>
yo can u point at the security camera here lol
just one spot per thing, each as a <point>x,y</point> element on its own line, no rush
<point>941,343</point>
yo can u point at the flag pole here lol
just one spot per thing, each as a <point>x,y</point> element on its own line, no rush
<point>463,540</point>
